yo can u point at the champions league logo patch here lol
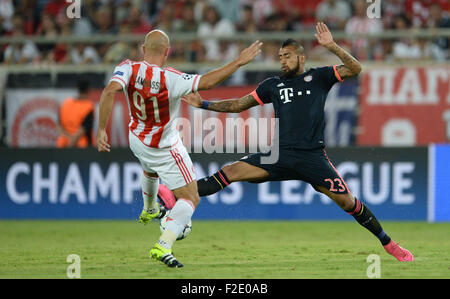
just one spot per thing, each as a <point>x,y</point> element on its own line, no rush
<point>187,76</point>
<point>308,78</point>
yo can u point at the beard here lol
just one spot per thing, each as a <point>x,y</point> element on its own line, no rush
<point>292,72</point>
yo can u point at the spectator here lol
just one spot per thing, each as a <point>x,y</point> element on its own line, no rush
<point>247,23</point>
<point>48,29</point>
<point>385,53</point>
<point>103,22</point>
<point>270,52</point>
<point>48,18</point>
<point>120,50</point>
<point>277,22</point>
<point>84,54</point>
<point>199,9</point>
<point>121,9</point>
<point>53,7</point>
<point>360,23</point>
<point>197,52</point>
<point>27,10</point>
<point>151,9</point>
<point>334,13</point>
<point>166,19</point>
<point>400,47</point>
<point>420,49</point>
<point>178,52</point>
<point>213,25</point>
<point>438,19</point>
<point>261,10</point>
<point>418,11</point>
<point>20,53</point>
<point>301,13</point>
<point>307,12</point>
<point>84,26</point>
<point>135,52</point>
<point>187,22</point>
<point>391,9</point>
<point>138,24</point>
<point>59,54</point>
<point>229,9</point>
<point>408,49</point>
<point>6,15</point>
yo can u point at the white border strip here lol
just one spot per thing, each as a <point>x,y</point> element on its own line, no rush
<point>431,186</point>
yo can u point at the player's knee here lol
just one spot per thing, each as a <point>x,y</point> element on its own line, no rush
<point>347,201</point>
<point>188,195</point>
<point>194,198</point>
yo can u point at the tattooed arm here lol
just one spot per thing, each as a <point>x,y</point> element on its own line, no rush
<point>232,105</point>
<point>351,67</point>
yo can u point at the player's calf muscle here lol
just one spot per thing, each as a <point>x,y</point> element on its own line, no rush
<point>241,171</point>
<point>344,201</point>
<point>188,192</point>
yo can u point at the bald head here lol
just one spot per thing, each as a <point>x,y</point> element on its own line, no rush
<point>156,42</point>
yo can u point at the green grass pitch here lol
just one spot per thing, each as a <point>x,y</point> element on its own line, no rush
<point>221,249</point>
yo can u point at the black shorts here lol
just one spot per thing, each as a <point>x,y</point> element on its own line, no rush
<point>311,166</point>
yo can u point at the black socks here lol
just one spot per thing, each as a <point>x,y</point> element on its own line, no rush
<point>365,217</point>
<point>212,184</point>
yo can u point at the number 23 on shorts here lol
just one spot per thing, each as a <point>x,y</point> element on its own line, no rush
<point>340,185</point>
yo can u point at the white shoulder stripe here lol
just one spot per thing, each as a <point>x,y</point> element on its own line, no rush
<point>156,78</point>
<point>140,76</point>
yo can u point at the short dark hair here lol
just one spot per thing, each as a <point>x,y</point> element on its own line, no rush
<point>292,42</point>
<point>83,86</point>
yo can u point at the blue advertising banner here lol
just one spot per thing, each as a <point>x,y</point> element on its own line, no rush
<point>440,180</point>
<point>84,184</point>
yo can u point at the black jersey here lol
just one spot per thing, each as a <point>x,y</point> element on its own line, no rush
<point>299,104</point>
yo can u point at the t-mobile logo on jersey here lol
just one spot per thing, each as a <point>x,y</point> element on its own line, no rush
<point>285,93</point>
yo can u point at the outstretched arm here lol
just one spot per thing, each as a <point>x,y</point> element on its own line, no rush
<point>214,77</point>
<point>351,67</point>
<point>106,106</point>
<point>231,105</point>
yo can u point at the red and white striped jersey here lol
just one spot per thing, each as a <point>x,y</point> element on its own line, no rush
<point>153,96</point>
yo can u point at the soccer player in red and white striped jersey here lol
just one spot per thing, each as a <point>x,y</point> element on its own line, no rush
<point>153,95</point>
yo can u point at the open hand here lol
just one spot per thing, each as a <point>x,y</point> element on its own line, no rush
<point>249,53</point>
<point>323,35</point>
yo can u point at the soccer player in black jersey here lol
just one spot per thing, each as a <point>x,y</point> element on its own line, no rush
<point>298,97</point>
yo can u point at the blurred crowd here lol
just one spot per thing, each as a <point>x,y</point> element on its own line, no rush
<point>210,18</point>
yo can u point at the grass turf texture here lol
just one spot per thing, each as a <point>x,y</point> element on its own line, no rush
<point>220,249</point>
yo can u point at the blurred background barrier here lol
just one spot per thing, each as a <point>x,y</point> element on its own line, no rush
<point>32,117</point>
<point>385,106</point>
<point>397,183</point>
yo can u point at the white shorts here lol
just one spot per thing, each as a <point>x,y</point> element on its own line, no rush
<point>173,165</point>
